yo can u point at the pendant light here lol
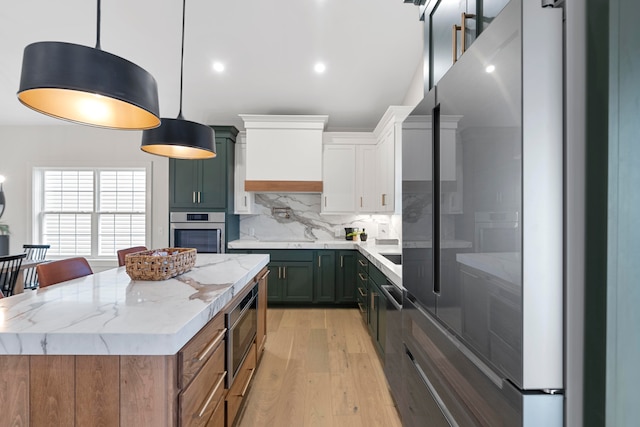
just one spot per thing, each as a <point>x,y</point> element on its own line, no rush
<point>179,138</point>
<point>88,86</point>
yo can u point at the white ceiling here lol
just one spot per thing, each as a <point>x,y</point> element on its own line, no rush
<point>371,49</point>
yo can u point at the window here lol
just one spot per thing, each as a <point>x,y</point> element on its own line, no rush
<point>91,212</point>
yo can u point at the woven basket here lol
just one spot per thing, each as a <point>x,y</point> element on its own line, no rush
<point>145,266</point>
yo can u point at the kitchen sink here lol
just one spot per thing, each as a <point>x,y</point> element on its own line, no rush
<point>394,258</point>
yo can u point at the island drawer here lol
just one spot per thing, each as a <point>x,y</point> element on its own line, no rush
<point>199,400</point>
<point>195,353</point>
<point>240,386</point>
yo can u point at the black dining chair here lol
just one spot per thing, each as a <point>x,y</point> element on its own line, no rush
<point>37,253</point>
<point>9,271</point>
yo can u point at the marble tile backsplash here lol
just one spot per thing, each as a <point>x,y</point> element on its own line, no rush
<point>304,221</point>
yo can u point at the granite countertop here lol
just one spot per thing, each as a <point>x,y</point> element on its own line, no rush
<point>369,249</point>
<point>107,313</point>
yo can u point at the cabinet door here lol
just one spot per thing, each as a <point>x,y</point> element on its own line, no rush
<point>325,278</point>
<point>276,285</point>
<point>213,178</point>
<point>297,282</point>
<point>386,171</point>
<point>183,183</point>
<point>261,330</point>
<point>372,301</point>
<point>490,9</point>
<point>346,276</point>
<point>366,178</point>
<point>338,179</point>
<point>243,199</point>
<point>443,17</point>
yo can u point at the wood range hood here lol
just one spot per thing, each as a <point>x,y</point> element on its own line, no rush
<point>284,153</point>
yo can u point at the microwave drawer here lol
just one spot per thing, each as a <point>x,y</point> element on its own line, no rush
<point>196,352</point>
<point>205,393</point>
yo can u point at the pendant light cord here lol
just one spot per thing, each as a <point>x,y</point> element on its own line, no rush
<point>98,28</point>
<point>184,4</point>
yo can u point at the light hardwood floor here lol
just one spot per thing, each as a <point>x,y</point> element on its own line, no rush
<point>319,368</point>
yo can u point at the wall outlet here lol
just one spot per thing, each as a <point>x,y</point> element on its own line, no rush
<point>252,231</point>
<point>337,232</point>
<point>383,230</point>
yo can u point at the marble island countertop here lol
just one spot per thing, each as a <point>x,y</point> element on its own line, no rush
<point>107,313</point>
<point>369,249</point>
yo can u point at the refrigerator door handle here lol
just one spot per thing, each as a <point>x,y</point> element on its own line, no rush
<point>435,129</point>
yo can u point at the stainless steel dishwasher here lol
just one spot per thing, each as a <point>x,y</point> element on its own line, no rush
<point>394,348</point>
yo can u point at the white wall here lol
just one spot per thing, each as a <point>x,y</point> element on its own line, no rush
<point>24,147</point>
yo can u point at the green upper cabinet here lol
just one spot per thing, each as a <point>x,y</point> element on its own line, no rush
<point>453,26</point>
<point>325,276</point>
<point>205,184</point>
<point>346,276</point>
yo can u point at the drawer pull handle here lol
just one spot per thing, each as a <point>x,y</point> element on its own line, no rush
<point>211,394</point>
<point>360,307</point>
<point>246,386</point>
<point>265,275</point>
<point>364,279</point>
<point>212,345</point>
<point>362,294</point>
<point>364,264</point>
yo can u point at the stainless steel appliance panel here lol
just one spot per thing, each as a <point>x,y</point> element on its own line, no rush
<point>468,392</point>
<point>204,231</point>
<point>241,323</point>
<point>417,203</point>
<point>393,349</point>
<point>486,329</point>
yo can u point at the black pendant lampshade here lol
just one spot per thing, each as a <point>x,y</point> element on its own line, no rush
<point>179,138</point>
<point>88,86</point>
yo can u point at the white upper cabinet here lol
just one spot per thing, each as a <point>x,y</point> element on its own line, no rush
<point>349,173</point>
<point>339,179</point>
<point>244,200</point>
<point>389,153</point>
<point>366,178</point>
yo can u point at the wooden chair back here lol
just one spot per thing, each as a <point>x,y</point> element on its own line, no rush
<point>122,253</point>
<point>9,271</point>
<point>54,272</point>
<point>38,253</point>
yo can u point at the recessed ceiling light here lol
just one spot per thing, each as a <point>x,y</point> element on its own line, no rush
<point>490,68</point>
<point>218,67</point>
<point>320,67</point>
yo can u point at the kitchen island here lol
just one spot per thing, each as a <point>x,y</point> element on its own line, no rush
<point>106,350</point>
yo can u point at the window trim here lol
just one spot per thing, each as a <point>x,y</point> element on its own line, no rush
<point>38,204</point>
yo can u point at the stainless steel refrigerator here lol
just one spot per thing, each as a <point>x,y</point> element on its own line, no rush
<point>482,232</point>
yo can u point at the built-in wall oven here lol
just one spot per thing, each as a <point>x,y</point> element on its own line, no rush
<point>241,322</point>
<point>201,230</point>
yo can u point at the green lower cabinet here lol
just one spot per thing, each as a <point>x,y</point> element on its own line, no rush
<point>290,282</point>
<point>274,290</point>
<point>346,283</point>
<point>325,278</point>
